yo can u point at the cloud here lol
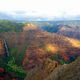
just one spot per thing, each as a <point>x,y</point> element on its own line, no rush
<point>41,8</point>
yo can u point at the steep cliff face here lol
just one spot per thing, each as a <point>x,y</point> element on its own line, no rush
<point>1,47</point>
<point>53,71</point>
<point>69,31</point>
<point>66,72</point>
<point>40,44</point>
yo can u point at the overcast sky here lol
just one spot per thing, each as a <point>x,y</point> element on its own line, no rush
<point>44,8</point>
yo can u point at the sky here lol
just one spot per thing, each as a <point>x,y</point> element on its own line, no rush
<point>41,8</point>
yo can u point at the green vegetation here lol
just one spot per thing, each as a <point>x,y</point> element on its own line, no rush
<point>13,52</point>
<point>11,66</point>
<point>50,27</point>
<point>6,26</point>
<point>16,70</point>
<point>58,57</point>
<point>21,56</point>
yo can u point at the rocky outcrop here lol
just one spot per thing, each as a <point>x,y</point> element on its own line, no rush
<point>66,72</point>
<point>29,26</point>
<point>41,72</point>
